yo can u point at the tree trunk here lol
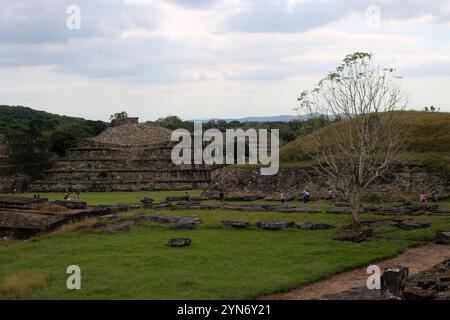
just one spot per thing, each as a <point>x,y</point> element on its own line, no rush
<point>355,203</point>
<point>355,220</point>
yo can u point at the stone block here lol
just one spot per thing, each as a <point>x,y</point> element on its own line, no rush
<point>179,242</point>
<point>235,224</point>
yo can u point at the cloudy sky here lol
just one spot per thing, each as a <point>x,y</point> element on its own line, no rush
<point>210,58</point>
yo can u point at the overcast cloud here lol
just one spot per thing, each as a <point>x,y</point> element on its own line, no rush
<point>218,58</point>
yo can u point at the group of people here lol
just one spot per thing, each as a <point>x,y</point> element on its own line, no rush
<point>423,196</point>
<point>36,195</point>
<point>72,196</point>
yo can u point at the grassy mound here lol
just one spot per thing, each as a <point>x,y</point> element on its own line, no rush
<point>427,133</point>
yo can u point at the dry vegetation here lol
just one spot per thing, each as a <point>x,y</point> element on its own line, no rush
<point>50,207</point>
<point>84,224</point>
<point>22,283</point>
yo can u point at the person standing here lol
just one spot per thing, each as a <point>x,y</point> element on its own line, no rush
<point>423,197</point>
<point>282,198</point>
<point>434,196</point>
<point>306,196</point>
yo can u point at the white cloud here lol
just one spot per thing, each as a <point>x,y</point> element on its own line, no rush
<point>203,58</point>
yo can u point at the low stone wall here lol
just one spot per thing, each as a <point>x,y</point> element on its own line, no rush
<point>232,180</point>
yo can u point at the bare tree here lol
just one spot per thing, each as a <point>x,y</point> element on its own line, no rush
<point>366,139</point>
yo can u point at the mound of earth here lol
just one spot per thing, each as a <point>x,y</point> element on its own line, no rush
<point>134,134</point>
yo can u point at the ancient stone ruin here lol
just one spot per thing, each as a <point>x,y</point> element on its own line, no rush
<point>23,218</point>
<point>129,157</point>
<point>396,284</point>
<point>21,160</point>
<point>402,180</point>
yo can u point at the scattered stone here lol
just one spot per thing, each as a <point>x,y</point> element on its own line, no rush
<point>366,223</point>
<point>313,226</point>
<point>412,225</point>
<point>339,210</point>
<point>372,208</point>
<point>187,223</point>
<point>405,208</point>
<point>444,277</point>
<point>122,227</point>
<point>425,285</point>
<point>125,206</point>
<point>244,197</point>
<point>179,242</point>
<point>109,217</point>
<point>425,280</point>
<point>147,201</point>
<point>275,225</point>
<point>277,198</point>
<point>235,224</point>
<point>415,293</point>
<point>393,281</point>
<point>71,204</point>
<point>356,237</point>
<point>341,204</point>
<point>444,295</point>
<point>162,219</point>
<point>443,237</point>
<point>419,207</point>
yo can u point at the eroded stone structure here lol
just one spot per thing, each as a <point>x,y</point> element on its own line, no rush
<point>22,159</point>
<point>129,157</point>
<point>292,182</point>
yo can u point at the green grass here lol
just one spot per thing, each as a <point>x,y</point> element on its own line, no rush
<point>220,264</point>
<point>109,198</point>
<point>427,135</point>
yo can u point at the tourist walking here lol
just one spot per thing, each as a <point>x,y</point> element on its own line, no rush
<point>282,198</point>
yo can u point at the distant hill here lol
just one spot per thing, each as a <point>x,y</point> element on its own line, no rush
<point>428,135</point>
<point>280,118</point>
<point>61,132</point>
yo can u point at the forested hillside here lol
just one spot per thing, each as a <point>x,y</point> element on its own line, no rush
<point>61,132</point>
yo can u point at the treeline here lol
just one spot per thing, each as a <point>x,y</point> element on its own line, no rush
<point>60,132</point>
<point>289,130</point>
<point>63,132</point>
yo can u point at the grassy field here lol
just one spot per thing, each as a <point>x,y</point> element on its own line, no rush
<point>220,263</point>
<point>108,198</point>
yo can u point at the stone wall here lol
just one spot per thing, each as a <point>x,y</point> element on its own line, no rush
<point>294,181</point>
<point>99,167</point>
<point>22,159</point>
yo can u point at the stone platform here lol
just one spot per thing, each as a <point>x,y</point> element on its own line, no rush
<point>22,218</point>
<point>129,157</point>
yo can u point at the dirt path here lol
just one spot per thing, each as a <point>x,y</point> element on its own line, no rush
<point>417,259</point>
